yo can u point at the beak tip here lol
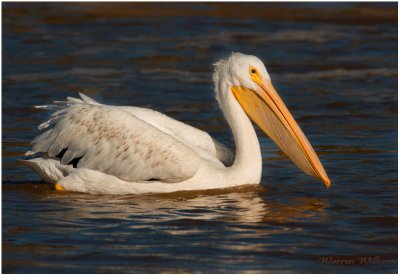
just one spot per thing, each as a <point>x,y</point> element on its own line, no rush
<point>327,183</point>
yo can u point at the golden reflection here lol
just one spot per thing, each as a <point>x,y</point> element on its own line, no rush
<point>247,204</point>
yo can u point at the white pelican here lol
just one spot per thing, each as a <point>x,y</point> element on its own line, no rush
<point>97,148</point>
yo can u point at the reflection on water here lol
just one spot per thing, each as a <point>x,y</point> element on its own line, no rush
<point>239,221</point>
<point>333,64</point>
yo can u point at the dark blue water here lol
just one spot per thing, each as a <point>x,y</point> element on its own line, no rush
<point>335,66</point>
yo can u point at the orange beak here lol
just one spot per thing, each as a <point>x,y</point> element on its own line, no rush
<point>268,111</point>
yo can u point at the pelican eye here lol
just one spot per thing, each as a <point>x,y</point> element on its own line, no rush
<point>255,75</point>
<point>253,71</point>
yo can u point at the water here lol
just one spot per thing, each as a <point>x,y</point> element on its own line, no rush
<point>334,66</point>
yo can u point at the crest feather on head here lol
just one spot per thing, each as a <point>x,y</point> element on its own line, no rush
<point>223,65</point>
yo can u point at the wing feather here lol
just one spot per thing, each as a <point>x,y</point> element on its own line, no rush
<point>200,141</point>
<point>116,142</point>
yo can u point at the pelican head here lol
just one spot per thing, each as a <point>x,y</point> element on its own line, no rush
<point>246,79</point>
